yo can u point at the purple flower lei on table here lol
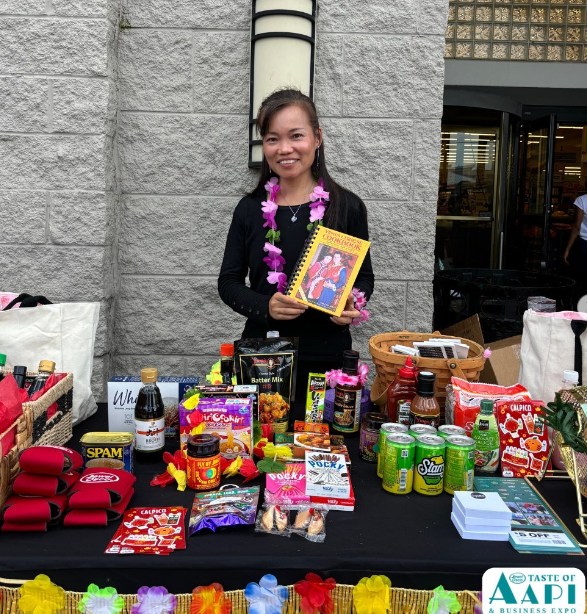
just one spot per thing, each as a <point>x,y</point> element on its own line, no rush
<point>154,600</point>
<point>274,260</point>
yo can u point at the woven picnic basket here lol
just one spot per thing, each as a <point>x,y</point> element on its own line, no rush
<point>388,364</point>
<point>33,428</point>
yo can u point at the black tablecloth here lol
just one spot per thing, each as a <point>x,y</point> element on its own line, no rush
<point>409,538</point>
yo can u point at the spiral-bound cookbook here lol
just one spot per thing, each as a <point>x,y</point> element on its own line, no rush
<point>326,270</point>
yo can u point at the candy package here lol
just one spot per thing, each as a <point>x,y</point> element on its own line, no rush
<point>273,519</point>
<point>224,508</point>
<point>463,399</point>
<point>310,522</point>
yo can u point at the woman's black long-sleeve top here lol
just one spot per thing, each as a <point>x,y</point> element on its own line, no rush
<point>320,338</point>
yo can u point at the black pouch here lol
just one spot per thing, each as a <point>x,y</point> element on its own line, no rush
<point>271,364</point>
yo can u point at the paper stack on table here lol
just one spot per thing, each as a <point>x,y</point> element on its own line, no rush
<point>481,515</point>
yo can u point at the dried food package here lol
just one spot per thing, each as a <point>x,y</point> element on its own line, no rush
<point>228,507</point>
<point>271,364</point>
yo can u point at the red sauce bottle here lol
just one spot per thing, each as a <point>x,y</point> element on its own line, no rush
<point>401,392</point>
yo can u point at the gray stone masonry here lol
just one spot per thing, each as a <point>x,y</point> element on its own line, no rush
<point>123,140</point>
<point>58,193</point>
<point>184,72</point>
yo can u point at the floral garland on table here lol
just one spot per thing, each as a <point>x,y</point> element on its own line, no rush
<point>337,377</point>
<point>274,260</point>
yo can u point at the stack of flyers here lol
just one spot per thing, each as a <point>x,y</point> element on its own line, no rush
<point>149,530</point>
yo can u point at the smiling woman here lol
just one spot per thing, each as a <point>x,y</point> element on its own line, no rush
<point>295,192</point>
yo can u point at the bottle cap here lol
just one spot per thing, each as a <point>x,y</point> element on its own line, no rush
<point>227,349</point>
<point>19,370</point>
<point>271,334</point>
<point>2,360</point>
<point>149,375</point>
<point>373,420</point>
<point>350,361</point>
<point>425,387</point>
<point>47,365</point>
<point>486,406</point>
<point>568,376</point>
<point>408,370</point>
<point>205,444</point>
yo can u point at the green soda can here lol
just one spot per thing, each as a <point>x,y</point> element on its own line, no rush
<point>429,465</point>
<point>447,430</point>
<point>421,429</point>
<point>459,463</point>
<point>398,467</point>
<point>386,428</point>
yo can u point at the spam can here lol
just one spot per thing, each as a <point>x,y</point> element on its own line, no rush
<point>386,429</point>
<point>429,465</point>
<point>112,450</point>
<point>398,467</point>
<point>459,463</point>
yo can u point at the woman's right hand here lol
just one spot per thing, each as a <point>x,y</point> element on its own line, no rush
<point>283,307</point>
<point>566,256</point>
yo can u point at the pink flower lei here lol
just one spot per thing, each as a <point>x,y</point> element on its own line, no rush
<point>336,376</point>
<point>360,303</point>
<point>274,259</point>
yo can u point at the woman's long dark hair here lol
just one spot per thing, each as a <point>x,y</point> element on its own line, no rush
<point>336,215</point>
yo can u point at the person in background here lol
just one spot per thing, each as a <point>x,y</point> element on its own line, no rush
<point>578,258</point>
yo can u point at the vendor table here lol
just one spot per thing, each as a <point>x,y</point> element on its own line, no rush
<point>409,538</point>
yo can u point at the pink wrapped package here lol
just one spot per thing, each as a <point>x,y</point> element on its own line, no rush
<point>6,298</point>
<point>287,487</point>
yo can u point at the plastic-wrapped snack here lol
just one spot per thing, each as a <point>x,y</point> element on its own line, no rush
<point>230,506</point>
<point>310,522</point>
<point>273,519</point>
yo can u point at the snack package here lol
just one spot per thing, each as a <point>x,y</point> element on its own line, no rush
<point>310,523</point>
<point>271,364</point>
<point>315,397</point>
<point>228,507</point>
<point>463,399</point>
<point>273,519</point>
<point>337,446</point>
<point>287,487</point>
<point>523,437</point>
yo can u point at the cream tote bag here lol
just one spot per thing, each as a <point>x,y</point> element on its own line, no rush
<point>552,343</point>
<point>64,333</point>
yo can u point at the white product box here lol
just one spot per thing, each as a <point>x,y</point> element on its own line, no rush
<point>482,508</point>
<point>122,397</point>
<point>327,475</point>
<point>493,534</point>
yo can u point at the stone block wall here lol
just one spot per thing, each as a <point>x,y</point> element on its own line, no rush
<point>58,192</point>
<point>184,70</point>
<point>123,140</point>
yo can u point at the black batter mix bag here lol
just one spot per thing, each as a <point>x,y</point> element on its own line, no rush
<point>271,364</point>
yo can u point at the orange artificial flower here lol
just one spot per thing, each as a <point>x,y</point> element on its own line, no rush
<point>210,600</point>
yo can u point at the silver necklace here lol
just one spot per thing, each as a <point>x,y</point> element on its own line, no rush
<point>294,216</point>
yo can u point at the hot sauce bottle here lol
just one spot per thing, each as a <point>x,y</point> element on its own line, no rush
<point>425,408</point>
<point>347,397</point>
<point>400,394</point>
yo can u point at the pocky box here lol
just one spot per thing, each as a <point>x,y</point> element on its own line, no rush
<point>287,487</point>
<point>524,445</point>
<point>326,475</point>
<point>315,397</point>
<point>229,418</point>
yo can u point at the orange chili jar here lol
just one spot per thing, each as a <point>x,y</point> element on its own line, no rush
<point>203,462</point>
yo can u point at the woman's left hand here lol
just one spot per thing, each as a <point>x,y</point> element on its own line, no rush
<point>348,315</point>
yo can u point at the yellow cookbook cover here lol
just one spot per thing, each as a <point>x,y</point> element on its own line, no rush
<point>326,270</point>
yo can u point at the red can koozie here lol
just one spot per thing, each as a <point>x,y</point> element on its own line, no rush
<point>101,488</point>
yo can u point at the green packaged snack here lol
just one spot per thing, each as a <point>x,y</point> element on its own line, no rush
<point>315,397</point>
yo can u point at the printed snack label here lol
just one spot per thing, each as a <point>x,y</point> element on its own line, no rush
<point>523,437</point>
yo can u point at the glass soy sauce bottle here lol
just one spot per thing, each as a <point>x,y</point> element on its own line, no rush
<point>347,398</point>
<point>149,420</point>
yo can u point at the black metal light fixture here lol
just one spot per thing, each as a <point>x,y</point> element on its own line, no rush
<point>283,42</point>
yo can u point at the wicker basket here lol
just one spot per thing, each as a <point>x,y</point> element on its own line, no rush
<point>388,364</point>
<point>33,429</point>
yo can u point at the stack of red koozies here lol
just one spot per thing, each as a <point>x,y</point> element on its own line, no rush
<point>100,496</point>
<point>40,491</point>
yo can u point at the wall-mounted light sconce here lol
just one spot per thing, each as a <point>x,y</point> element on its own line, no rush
<point>283,41</point>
